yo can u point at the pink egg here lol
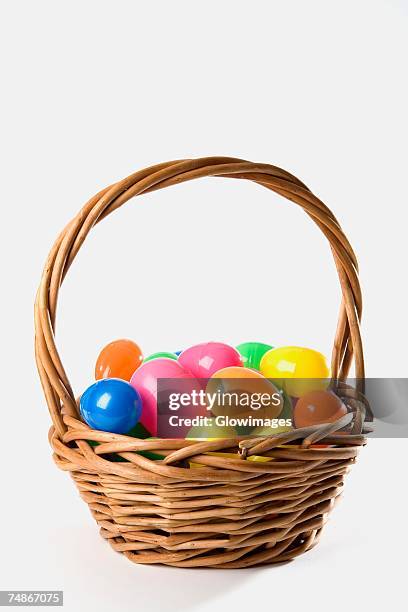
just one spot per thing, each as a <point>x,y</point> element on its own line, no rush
<point>205,359</point>
<point>144,380</point>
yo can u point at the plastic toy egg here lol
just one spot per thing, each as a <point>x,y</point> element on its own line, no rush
<point>159,355</point>
<point>245,383</point>
<point>212,432</point>
<point>111,404</point>
<point>259,459</point>
<point>288,403</point>
<point>318,407</point>
<point>298,370</point>
<point>233,456</point>
<point>144,380</point>
<point>119,359</point>
<point>252,353</point>
<point>138,431</point>
<point>203,360</point>
<point>270,431</point>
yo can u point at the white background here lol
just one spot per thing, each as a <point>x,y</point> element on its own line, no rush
<point>92,91</point>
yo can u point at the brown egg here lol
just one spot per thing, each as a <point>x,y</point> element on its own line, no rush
<point>318,407</point>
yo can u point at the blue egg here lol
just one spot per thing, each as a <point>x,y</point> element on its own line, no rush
<point>178,353</point>
<point>111,404</point>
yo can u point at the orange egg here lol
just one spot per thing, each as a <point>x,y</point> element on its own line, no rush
<point>237,372</point>
<point>118,359</point>
<point>240,384</point>
<point>318,407</point>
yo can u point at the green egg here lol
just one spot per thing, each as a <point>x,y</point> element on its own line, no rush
<point>160,355</point>
<point>244,430</point>
<point>252,353</point>
<point>138,431</point>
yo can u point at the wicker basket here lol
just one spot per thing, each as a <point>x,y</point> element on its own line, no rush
<point>232,512</point>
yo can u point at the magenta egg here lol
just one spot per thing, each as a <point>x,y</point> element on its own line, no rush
<point>205,359</point>
<point>144,380</point>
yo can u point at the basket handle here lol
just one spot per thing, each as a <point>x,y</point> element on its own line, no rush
<point>347,343</point>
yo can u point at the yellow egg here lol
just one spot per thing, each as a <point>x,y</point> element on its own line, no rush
<point>269,431</point>
<point>231,456</point>
<point>212,432</point>
<point>259,458</point>
<point>298,370</point>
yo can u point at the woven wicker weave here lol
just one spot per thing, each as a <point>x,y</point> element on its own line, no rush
<point>227,513</point>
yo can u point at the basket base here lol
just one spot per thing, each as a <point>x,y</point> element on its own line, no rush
<point>262,518</point>
<point>241,558</point>
<point>208,509</point>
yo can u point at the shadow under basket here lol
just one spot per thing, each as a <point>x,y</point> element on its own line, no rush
<point>180,502</point>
